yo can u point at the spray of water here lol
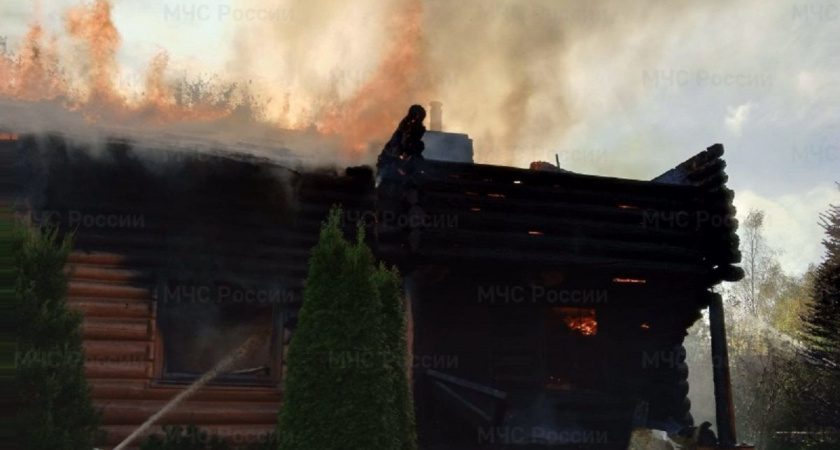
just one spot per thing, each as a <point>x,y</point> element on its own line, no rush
<point>221,367</point>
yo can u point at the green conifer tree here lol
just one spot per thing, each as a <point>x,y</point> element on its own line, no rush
<point>394,326</point>
<point>822,327</point>
<point>340,391</point>
<point>56,410</point>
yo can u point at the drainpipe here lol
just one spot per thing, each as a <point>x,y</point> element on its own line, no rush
<point>724,408</point>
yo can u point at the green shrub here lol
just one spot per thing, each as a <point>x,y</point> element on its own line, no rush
<point>56,410</point>
<point>342,390</point>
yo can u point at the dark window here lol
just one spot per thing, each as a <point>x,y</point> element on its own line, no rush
<point>204,324</point>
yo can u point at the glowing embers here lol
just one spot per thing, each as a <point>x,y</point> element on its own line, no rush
<point>629,280</point>
<point>579,320</point>
<point>8,137</point>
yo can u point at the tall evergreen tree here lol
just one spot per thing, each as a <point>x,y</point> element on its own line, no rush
<point>394,327</point>
<point>340,389</point>
<point>56,410</point>
<point>822,325</point>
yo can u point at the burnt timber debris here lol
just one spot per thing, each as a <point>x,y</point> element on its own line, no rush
<point>540,299</point>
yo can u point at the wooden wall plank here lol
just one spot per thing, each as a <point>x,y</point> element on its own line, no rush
<point>117,329</point>
<point>143,389</point>
<point>128,412</point>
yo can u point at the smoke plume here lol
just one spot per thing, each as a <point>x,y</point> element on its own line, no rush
<point>517,76</point>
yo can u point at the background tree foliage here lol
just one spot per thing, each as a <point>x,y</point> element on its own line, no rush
<point>766,347</point>
<point>346,386</point>
<point>822,334</point>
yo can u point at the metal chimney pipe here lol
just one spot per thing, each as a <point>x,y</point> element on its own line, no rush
<point>436,117</point>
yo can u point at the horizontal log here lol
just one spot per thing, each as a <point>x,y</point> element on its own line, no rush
<point>111,291</point>
<point>97,258</point>
<point>118,367</point>
<point>625,213</point>
<point>151,219</point>
<point>556,244</point>
<point>238,243</point>
<point>488,256</point>
<point>194,272</point>
<point>241,210</point>
<point>569,225</point>
<point>729,273</point>
<point>438,170</point>
<point>707,170</point>
<point>408,244</point>
<point>680,173</point>
<point>130,412</point>
<point>265,261</point>
<point>129,350</point>
<point>308,212</point>
<point>110,389</point>
<point>236,435</point>
<point>122,329</point>
<point>99,307</point>
<point>715,181</point>
<point>108,274</point>
<point>566,193</point>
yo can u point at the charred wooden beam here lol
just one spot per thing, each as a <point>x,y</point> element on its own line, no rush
<point>695,169</point>
<point>492,256</point>
<point>606,193</point>
<point>455,172</point>
<point>724,406</point>
<point>536,242</point>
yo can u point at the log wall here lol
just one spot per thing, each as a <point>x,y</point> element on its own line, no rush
<point>140,220</point>
<point>195,218</point>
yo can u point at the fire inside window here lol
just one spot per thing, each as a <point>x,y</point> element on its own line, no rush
<point>203,324</point>
<point>579,320</point>
<point>571,347</point>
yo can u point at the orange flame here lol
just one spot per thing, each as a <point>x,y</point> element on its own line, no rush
<point>577,319</point>
<point>376,108</point>
<point>92,24</point>
<point>587,326</point>
<point>35,72</point>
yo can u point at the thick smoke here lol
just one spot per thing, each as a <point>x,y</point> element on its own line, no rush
<point>514,75</point>
<point>519,77</point>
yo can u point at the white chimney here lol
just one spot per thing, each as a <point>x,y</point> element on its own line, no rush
<point>436,117</point>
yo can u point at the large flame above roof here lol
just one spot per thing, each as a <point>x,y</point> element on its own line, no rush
<point>39,70</point>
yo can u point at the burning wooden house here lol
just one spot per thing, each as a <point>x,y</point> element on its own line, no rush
<point>547,307</point>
